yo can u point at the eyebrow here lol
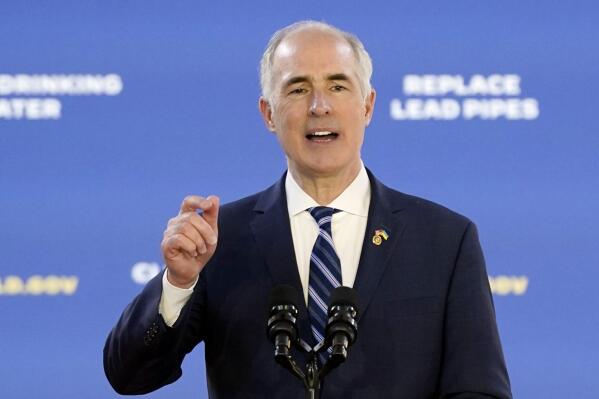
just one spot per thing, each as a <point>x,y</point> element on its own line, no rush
<point>338,76</point>
<point>302,79</point>
<point>295,79</point>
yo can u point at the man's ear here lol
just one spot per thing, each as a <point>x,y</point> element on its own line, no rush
<point>369,106</point>
<point>266,112</point>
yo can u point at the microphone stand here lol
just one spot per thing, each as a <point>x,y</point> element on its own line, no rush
<point>314,374</point>
<point>312,380</point>
<point>341,332</point>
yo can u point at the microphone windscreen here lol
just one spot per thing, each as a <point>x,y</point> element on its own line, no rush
<point>344,296</point>
<point>283,295</point>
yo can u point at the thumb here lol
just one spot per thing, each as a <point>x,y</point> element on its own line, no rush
<point>210,214</point>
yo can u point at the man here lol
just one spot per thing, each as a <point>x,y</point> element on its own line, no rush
<point>426,326</point>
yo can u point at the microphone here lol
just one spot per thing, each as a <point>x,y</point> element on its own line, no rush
<point>342,327</point>
<point>282,321</point>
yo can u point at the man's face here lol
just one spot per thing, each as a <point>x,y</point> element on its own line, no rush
<point>317,109</point>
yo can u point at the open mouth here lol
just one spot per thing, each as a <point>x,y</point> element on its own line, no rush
<point>324,135</point>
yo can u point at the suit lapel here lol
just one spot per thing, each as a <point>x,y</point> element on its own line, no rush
<point>272,232</point>
<point>385,215</point>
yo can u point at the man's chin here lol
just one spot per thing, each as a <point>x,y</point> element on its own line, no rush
<point>325,170</point>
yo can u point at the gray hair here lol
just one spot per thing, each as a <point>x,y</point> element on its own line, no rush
<point>362,58</point>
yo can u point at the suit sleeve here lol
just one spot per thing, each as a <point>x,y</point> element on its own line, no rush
<point>142,353</point>
<point>473,365</point>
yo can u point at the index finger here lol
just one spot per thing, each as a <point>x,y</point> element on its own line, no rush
<point>191,203</point>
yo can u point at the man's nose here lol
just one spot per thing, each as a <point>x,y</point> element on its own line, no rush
<point>320,105</point>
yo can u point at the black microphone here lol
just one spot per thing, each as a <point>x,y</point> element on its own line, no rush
<point>342,327</point>
<point>282,321</point>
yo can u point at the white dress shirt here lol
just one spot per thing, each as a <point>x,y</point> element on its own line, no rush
<point>348,228</point>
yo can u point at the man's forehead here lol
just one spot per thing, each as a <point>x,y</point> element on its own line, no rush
<point>312,40</point>
<point>315,50</point>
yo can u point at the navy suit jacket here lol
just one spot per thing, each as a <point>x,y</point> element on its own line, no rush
<point>426,327</point>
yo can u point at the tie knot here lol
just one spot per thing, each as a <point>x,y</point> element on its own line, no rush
<point>322,214</point>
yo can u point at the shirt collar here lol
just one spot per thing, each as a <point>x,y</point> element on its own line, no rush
<point>355,199</point>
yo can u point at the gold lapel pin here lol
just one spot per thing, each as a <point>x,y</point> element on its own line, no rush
<point>379,236</point>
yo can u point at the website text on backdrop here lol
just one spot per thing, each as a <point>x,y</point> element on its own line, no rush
<point>427,325</point>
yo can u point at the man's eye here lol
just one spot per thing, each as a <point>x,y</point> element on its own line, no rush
<point>338,88</point>
<point>299,90</point>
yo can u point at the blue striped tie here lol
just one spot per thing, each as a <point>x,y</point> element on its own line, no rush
<point>325,271</point>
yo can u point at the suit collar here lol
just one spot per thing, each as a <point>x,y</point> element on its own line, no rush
<point>355,199</point>
<point>274,196</point>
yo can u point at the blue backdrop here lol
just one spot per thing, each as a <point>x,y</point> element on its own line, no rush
<point>111,112</point>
